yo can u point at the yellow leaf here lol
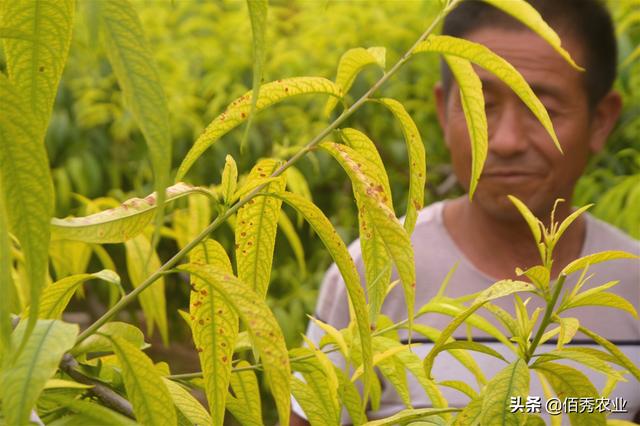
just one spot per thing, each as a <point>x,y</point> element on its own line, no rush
<point>512,381</point>
<point>229,179</point>
<point>405,416</point>
<point>187,404</point>
<point>285,225</point>
<point>591,259</point>
<point>245,406</point>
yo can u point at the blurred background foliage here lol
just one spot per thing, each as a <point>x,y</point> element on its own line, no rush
<point>204,53</point>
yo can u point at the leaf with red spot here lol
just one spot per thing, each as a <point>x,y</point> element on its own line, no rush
<point>263,328</point>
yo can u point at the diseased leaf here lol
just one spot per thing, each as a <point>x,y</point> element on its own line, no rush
<point>214,325</point>
<point>485,58</point>
<point>256,226</point>
<point>376,259</point>
<point>472,100</point>
<point>187,404</point>
<point>22,381</point>
<point>569,382</point>
<point>512,381</point>
<point>229,179</point>
<point>351,63</point>
<point>417,161</point>
<point>263,329</point>
<point>133,65</point>
<point>236,113</point>
<point>245,406</point>
<point>118,224</point>
<point>258,15</point>
<point>25,184</point>
<point>98,343</point>
<point>152,403</point>
<point>142,260</point>
<point>56,296</point>
<point>591,259</point>
<point>343,260</point>
<point>381,219</point>
<point>528,15</point>
<point>407,415</point>
<point>499,289</point>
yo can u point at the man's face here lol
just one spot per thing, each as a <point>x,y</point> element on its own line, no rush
<point>522,159</point>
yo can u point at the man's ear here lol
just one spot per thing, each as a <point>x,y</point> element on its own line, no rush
<point>441,107</point>
<point>603,118</point>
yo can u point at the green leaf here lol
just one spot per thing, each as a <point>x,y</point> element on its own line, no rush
<point>472,346</point>
<point>256,227</point>
<point>350,398</point>
<point>133,65</point>
<point>287,228</point>
<point>539,276</point>
<point>229,179</point>
<point>35,61</point>
<point>152,403</point>
<point>568,329</point>
<point>334,334</point>
<point>6,284</point>
<point>470,416</point>
<point>99,343</point>
<point>351,63</point>
<point>187,404</point>
<point>405,416</point>
<point>512,381</point>
<point>118,224</point>
<point>69,257</point>
<point>22,381</point>
<point>263,329</point>
<point>568,221</point>
<point>214,325</point>
<point>581,357</point>
<point>613,350</point>
<point>600,298</point>
<point>56,296</point>
<point>392,369</point>
<point>417,161</point>
<point>533,222</point>
<point>310,403</point>
<point>245,406</point>
<point>189,222</point>
<point>236,113</point>
<point>25,185</point>
<point>499,289</point>
<point>591,259</point>
<point>380,218</point>
<point>324,380</point>
<point>88,413</point>
<point>460,386</point>
<point>472,100</point>
<point>569,382</point>
<point>343,260</point>
<point>142,260</point>
<point>529,16</point>
<point>377,263</point>
<point>258,15</point>
<point>485,58</point>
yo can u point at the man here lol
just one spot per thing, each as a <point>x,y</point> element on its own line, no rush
<point>487,237</point>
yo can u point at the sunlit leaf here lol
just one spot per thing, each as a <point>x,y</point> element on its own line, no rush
<point>472,100</point>
<point>311,405</point>
<point>613,350</point>
<point>255,234</point>
<point>581,357</point>
<point>152,403</point>
<point>142,260</point>
<point>350,398</point>
<point>417,161</point>
<point>569,382</point>
<point>99,343</point>
<point>512,381</point>
<point>568,329</point>
<point>343,260</point>
<point>351,63</point>
<point>229,179</point>
<point>118,224</point>
<point>533,222</point>
<point>26,376</point>
<point>245,406</point>
<point>337,337</point>
<point>133,64</point>
<point>56,296</point>
<point>529,16</point>
<point>591,259</point>
<point>214,325</point>
<point>187,404</point>
<point>485,58</point>
<point>262,325</point>
<point>237,111</point>
<point>593,297</point>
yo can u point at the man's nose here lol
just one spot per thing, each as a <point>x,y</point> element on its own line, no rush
<point>507,136</point>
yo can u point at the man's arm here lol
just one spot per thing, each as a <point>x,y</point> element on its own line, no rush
<point>296,420</point>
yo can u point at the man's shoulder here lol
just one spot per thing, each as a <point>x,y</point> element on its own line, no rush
<point>602,236</point>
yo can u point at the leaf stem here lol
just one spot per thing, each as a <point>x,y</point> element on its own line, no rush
<point>547,316</point>
<point>222,218</point>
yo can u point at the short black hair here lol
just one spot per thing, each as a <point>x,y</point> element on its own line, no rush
<point>587,21</point>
